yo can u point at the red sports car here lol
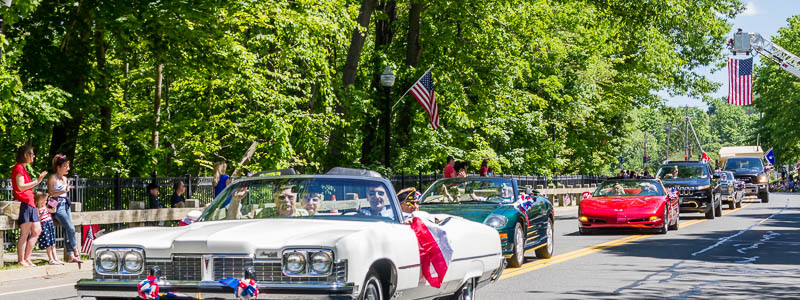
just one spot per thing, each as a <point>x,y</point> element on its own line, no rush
<point>630,203</point>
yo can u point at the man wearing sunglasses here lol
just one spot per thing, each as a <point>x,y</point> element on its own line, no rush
<point>378,203</point>
<point>286,202</point>
<point>312,201</point>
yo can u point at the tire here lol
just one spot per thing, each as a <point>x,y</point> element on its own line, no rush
<point>764,197</point>
<point>547,251</point>
<point>718,209</point>
<point>467,291</point>
<point>677,220</point>
<point>373,289</point>
<point>664,228</point>
<point>732,205</point>
<point>516,260</point>
<point>710,212</point>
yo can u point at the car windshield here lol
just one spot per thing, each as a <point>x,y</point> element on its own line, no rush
<point>629,188</point>
<point>306,197</point>
<point>470,190</point>
<point>682,171</point>
<point>749,163</point>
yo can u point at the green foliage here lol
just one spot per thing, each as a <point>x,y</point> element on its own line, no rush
<point>536,86</point>
<point>777,92</point>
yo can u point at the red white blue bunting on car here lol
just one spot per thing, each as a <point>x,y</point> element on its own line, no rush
<point>243,289</point>
<point>435,253</point>
<point>148,288</point>
<point>523,205</point>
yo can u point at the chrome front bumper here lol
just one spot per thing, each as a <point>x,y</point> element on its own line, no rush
<point>215,290</point>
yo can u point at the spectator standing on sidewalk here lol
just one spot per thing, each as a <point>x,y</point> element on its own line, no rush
<point>484,168</point>
<point>152,192</point>
<point>58,188</point>
<point>178,200</point>
<point>221,180</point>
<point>47,240</point>
<point>449,171</point>
<point>28,221</point>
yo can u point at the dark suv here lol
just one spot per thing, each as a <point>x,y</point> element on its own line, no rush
<point>698,188</point>
<point>751,170</point>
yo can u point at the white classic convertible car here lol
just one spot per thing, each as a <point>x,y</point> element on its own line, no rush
<point>299,237</point>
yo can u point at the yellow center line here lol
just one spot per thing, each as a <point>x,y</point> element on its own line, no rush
<point>542,263</point>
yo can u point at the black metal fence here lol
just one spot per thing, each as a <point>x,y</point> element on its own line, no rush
<point>423,181</point>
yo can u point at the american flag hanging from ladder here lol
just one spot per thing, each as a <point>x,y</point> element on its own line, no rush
<point>422,90</point>
<point>740,81</point>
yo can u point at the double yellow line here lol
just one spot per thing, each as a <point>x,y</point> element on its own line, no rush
<point>542,263</point>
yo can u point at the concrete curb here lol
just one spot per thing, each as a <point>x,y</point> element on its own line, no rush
<point>565,210</point>
<point>44,271</point>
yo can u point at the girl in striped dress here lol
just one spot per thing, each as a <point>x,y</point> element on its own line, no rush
<point>47,240</point>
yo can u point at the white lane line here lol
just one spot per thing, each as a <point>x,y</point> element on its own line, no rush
<point>37,289</point>
<point>725,239</point>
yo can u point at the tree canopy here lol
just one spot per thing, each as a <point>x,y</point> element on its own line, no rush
<point>536,86</point>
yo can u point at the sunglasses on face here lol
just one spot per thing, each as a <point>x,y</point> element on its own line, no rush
<point>379,193</point>
<point>284,197</point>
<point>412,203</point>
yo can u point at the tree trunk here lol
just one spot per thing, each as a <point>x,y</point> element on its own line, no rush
<point>337,142</point>
<point>357,42</point>
<point>102,80</point>
<point>157,104</point>
<point>413,50</point>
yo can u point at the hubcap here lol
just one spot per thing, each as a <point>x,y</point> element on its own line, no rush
<point>372,291</point>
<point>468,290</point>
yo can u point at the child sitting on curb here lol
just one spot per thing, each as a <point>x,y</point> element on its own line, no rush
<point>47,240</point>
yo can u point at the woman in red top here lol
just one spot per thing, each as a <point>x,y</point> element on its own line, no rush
<point>485,168</point>
<point>28,220</point>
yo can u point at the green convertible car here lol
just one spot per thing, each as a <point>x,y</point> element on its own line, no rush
<point>524,222</point>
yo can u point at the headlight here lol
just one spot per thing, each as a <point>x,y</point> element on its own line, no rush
<point>107,261</point>
<point>294,263</point>
<point>762,179</point>
<point>124,261</point>
<point>705,187</point>
<point>321,263</point>
<point>496,221</point>
<point>133,261</point>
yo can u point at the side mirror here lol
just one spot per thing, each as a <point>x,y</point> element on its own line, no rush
<point>191,217</point>
<point>770,168</point>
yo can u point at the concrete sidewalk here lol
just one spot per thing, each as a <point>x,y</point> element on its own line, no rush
<point>18,273</point>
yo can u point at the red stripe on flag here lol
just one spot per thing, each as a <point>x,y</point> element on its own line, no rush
<point>430,255</point>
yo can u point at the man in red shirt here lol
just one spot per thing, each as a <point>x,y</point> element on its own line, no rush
<point>449,171</point>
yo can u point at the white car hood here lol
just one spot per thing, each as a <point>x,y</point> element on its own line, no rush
<point>235,237</point>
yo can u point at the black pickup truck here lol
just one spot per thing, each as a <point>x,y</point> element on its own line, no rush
<point>752,171</point>
<point>698,188</point>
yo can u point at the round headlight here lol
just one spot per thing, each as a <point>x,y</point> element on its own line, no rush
<point>133,261</point>
<point>321,262</point>
<point>496,221</point>
<point>295,262</point>
<point>107,260</point>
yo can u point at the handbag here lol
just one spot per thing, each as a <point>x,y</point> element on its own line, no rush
<point>52,202</point>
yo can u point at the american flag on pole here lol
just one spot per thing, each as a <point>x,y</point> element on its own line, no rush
<point>740,81</point>
<point>89,231</point>
<point>422,90</point>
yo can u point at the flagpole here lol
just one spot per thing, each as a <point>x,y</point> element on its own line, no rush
<point>415,83</point>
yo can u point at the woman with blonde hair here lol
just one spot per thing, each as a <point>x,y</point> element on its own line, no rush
<point>221,180</point>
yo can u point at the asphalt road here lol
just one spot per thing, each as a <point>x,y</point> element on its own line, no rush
<point>752,252</point>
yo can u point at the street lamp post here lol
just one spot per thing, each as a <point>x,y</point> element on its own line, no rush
<point>387,81</point>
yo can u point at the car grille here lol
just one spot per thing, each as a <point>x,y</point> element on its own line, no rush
<point>189,268</point>
<point>746,179</point>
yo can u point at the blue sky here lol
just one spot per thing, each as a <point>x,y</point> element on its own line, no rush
<point>762,16</point>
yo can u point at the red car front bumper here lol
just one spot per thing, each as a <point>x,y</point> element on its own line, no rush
<point>621,222</point>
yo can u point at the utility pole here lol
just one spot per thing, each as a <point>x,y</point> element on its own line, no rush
<point>669,133</point>
<point>686,130</point>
